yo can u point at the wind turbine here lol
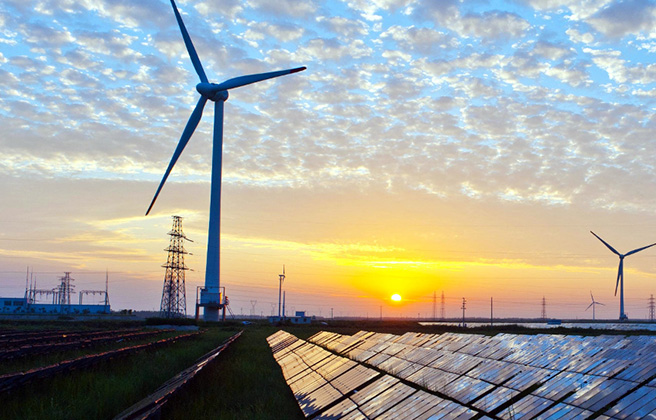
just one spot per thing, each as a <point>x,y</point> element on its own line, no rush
<point>620,272</point>
<point>594,302</point>
<point>281,279</point>
<point>210,297</point>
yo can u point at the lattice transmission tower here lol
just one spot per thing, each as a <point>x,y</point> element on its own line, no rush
<point>652,307</point>
<point>174,300</point>
<point>64,290</point>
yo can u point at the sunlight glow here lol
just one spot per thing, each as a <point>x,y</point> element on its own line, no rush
<point>396,297</point>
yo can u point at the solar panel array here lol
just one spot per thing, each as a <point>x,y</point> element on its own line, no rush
<point>506,376</point>
<point>329,386</point>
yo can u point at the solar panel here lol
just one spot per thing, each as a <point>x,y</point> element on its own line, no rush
<point>596,395</point>
<point>564,412</point>
<point>526,408</point>
<point>386,400</point>
<point>354,378</point>
<point>412,407</point>
<point>632,402</point>
<point>373,390</point>
<point>494,399</point>
<point>457,375</point>
<point>318,399</point>
<point>339,411</point>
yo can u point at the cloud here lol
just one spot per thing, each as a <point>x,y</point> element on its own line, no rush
<point>425,41</point>
<point>492,26</point>
<point>551,51</point>
<point>284,8</point>
<point>333,50</point>
<point>344,28</point>
<point>630,17</point>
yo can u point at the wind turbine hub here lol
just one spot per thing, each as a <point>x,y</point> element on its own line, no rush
<point>212,91</point>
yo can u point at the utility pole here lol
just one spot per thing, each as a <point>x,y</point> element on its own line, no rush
<point>651,308</point>
<point>491,312</point>
<point>463,312</point>
<point>107,288</point>
<point>442,309</point>
<point>544,308</point>
<point>174,300</point>
<point>281,279</point>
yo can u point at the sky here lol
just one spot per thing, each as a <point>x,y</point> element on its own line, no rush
<point>464,148</point>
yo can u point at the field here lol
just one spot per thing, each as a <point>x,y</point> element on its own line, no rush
<point>243,382</point>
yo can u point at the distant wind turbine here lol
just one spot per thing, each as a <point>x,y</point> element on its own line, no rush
<point>620,272</point>
<point>592,305</point>
<point>210,297</point>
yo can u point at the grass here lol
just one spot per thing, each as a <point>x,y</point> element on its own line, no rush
<point>106,389</point>
<point>245,382</point>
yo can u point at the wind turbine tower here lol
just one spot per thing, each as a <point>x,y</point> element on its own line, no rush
<point>210,296</point>
<point>620,272</point>
<point>592,305</point>
<point>281,280</point>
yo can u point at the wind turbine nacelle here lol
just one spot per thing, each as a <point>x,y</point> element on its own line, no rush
<point>212,91</point>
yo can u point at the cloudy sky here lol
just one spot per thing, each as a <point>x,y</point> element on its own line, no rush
<point>464,148</point>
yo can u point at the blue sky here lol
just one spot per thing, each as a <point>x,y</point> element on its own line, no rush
<point>486,137</point>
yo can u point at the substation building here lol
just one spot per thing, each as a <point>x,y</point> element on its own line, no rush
<point>56,300</point>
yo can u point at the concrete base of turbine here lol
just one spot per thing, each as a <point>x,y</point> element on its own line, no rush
<point>211,314</point>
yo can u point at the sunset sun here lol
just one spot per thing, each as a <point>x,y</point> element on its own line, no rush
<point>396,297</point>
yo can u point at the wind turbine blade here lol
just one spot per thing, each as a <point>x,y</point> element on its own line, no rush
<point>639,249</point>
<point>592,297</point>
<point>190,46</point>
<point>599,303</point>
<point>254,78</point>
<point>620,274</point>
<point>589,306</point>
<point>194,119</point>
<point>606,243</point>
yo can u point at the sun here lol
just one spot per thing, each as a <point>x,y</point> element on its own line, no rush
<point>396,297</point>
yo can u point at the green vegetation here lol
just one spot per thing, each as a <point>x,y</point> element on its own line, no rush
<point>245,382</point>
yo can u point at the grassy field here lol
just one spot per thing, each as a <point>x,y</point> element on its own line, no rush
<point>244,383</point>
